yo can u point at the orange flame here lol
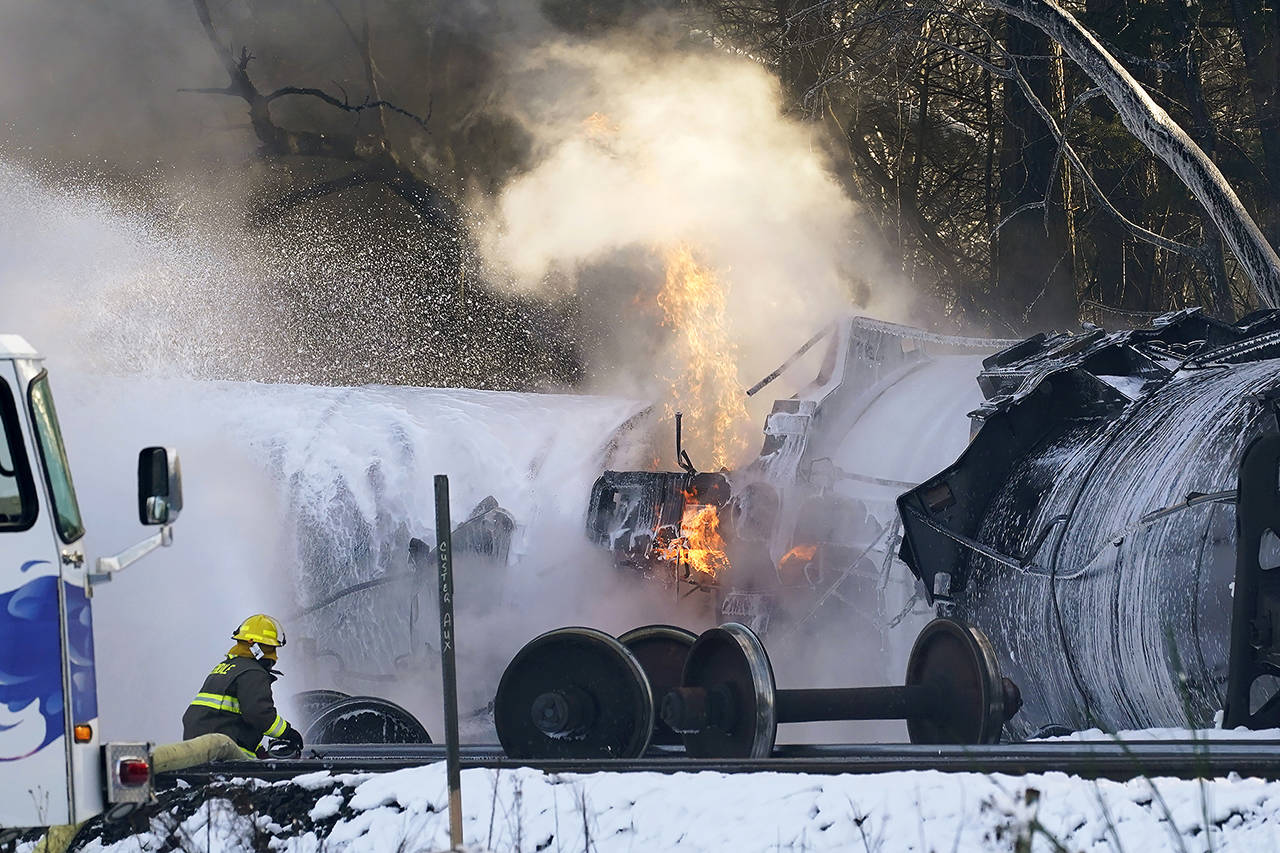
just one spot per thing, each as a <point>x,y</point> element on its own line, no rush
<point>700,547</point>
<point>797,557</point>
<point>694,304</point>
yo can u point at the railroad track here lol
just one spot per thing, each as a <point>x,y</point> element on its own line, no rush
<point>1116,760</point>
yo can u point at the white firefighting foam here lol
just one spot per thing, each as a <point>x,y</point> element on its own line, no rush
<point>295,492</point>
<point>292,492</point>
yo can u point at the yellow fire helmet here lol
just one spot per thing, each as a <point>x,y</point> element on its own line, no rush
<point>262,629</point>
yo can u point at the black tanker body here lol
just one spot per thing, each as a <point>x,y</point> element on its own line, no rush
<point>1091,526</point>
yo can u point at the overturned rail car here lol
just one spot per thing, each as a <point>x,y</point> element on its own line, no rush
<point>1112,525</point>
<point>810,526</point>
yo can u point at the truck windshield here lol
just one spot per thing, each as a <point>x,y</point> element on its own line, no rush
<point>57,471</point>
<point>18,504</point>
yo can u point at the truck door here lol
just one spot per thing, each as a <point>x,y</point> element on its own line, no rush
<point>79,677</point>
<point>35,732</point>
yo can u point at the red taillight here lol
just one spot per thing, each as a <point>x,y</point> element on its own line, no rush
<point>133,772</point>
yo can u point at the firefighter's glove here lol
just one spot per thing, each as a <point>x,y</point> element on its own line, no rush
<point>293,737</point>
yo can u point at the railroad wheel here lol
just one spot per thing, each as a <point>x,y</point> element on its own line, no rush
<point>731,663</point>
<point>574,693</point>
<point>661,650</point>
<point>957,661</point>
<point>311,703</point>
<point>366,719</point>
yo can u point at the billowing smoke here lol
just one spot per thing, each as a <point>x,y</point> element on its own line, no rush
<point>641,149</point>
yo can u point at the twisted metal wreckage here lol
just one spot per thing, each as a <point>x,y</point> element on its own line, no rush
<point>811,521</point>
<point>1093,527</point>
<point>1102,545</point>
<point>1111,526</point>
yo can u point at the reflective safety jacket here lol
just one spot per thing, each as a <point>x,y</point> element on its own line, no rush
<point>235,699</point>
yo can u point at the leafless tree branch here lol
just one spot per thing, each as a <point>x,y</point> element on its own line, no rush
<point>347,106</point>
<point>1154,128</point>
<point>1010,71</point>
<point>380,164</point>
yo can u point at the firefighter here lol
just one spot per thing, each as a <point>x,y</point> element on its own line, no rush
<point>235,698</point>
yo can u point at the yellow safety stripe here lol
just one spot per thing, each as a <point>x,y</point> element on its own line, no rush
<point>218,702</point>
<point>277,727</point>
<point>248,752</point>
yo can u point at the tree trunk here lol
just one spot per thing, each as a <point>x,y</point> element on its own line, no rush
<point>1206,136</point>
<point>1123,272</point>
<point>1153,127</point>
<point>1034,277</point>
<point>1259,34</point>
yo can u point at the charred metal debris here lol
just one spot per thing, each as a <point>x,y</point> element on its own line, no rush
<point>1112,524</point>
<point>803,525</point>
<point>1091,528</point>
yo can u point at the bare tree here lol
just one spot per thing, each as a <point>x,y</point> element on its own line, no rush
<point>1153,127</point>
<point>371,158</point>
<point>1034,256</point>
<point>951,163</point>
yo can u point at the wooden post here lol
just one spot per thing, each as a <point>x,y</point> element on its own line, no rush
<point>448,669</point>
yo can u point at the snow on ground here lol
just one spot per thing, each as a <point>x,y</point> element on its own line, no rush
<point>527,810</point>
<point>1240,733</point>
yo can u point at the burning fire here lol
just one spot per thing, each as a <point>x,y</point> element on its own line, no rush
<point>706,387</point>
<point>797,557</point>
<point>700,547</point>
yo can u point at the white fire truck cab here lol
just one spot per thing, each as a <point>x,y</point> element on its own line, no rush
<point>53,770</point>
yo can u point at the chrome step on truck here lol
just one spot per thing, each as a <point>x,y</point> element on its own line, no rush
<point>53,768</point>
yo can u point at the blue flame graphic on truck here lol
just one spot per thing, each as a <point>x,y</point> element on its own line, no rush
<point>31,665</point>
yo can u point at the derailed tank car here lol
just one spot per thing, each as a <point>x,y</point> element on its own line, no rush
<point>810,525</point>
<point>1111,525</point>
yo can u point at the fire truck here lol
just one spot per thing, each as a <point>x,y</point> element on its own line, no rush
<point>53,768</point>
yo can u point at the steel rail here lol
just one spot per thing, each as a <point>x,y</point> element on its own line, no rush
<point>1117,760</point>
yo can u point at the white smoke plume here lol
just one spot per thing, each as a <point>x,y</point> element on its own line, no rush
<point>639,152</point>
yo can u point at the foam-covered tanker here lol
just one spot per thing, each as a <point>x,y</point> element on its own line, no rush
<point>1111,524</point>
<point>811,521</point>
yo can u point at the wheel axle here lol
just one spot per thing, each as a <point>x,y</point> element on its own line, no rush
<point>728,704</point>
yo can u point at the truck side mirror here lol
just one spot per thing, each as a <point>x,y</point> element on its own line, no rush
<point>159,485</point>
